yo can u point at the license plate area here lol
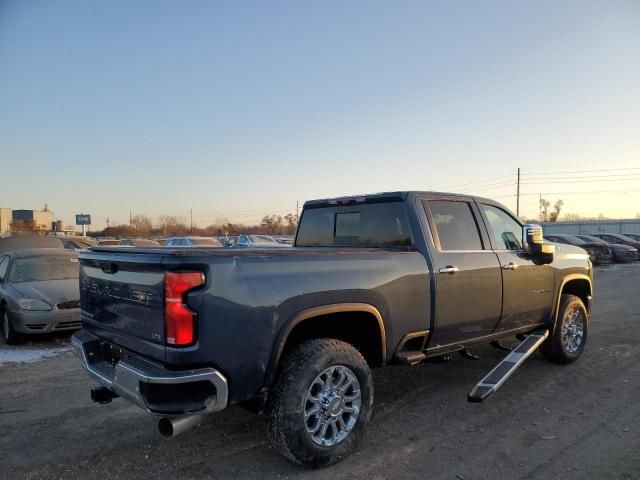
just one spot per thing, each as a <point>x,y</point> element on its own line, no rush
<point>111,354</point>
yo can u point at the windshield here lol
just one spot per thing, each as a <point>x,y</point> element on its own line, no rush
<point>39,269</point>
<point>589,238</point>
<point>571,240</point>
<point>206,241</point>
<point>262,239</point>
<point>622,237</point>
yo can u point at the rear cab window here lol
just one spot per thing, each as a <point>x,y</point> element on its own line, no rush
<point>366,224</point>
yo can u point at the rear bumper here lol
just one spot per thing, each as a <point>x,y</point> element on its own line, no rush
<point>43,322</point>
<point>149,385</point>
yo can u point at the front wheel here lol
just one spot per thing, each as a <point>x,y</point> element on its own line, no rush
<point>321,403</point>
<point>570,335</point>
<point>9,335</point>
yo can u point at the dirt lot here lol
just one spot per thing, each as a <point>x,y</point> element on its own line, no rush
<point>548,421</point>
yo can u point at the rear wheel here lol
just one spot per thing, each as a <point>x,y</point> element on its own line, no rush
<point>570,335</point>
<point>9,335</point>
<point>321,402</point>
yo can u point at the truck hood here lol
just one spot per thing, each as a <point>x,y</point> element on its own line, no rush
<point>50,291</point>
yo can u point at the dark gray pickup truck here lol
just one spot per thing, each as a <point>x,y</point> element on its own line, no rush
<point>371,280</point>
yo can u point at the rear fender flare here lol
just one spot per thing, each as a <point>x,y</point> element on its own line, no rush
<point>314,312</point>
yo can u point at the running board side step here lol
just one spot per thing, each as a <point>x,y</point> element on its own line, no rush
<point>496,377</point>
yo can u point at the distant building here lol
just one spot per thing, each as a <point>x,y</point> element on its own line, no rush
<point>6,217</point>
<point>42,219</point>
<point>588,227</point>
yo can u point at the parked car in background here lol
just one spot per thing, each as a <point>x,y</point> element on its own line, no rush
<point>284,239</point>
<point>78,243</point>
<point>621,253</point>
<point>599,253</point>
<point>138,242</point>
<point>192,242</point>
<point>21,243</point>
<point>635,236</point>
<point>618,239</point>
<point>109,241</point>
<point>257,241</point>
<point>39,292</point>
<point>225,240</point>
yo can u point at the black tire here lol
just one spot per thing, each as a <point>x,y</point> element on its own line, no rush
<point>288,402</point>
<point>9,335</point>
<point>564,346</point>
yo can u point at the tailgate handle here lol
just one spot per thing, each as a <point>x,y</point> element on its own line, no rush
<point>108,267</point>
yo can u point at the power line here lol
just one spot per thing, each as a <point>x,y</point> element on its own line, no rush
<point>477,181</point>
<point>554,172</point>
<point>545,181</point>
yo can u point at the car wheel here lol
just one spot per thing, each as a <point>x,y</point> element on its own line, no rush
<point>321,403</point>
<point>9,335</point>
<point>570,335</point>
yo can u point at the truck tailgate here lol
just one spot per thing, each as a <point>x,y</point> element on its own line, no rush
<point>122,299</point>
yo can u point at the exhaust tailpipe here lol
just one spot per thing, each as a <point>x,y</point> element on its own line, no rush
<point>170,427</point>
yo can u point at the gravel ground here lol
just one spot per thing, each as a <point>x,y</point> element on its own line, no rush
<point>548,421</point>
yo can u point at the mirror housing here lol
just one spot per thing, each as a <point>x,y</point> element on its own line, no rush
<point>533,243</point>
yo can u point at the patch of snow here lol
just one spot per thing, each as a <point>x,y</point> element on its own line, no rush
<point>18,354</point>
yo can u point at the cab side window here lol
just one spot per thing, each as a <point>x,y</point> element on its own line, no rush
<point>506,231</point>
<point>455,225</point>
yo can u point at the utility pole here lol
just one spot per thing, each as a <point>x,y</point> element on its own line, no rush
<point>129,219</point>
<point>191,215</point>
<point>108,229</point>
<point>297,212</point>
<point>518,195</point>
<point>540,207</point>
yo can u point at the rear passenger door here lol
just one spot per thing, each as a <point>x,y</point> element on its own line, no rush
<point>467,272</point>
<point>527,287</point>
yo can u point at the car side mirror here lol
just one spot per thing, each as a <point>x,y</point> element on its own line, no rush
<point>533,243</point>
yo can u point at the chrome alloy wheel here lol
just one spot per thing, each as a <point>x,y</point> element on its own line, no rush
<point>332,405</point>
<point>573,331</point>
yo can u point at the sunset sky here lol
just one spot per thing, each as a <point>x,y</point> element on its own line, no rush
<point>239,109</point>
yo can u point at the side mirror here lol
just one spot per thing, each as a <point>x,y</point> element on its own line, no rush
<point>533,243</point>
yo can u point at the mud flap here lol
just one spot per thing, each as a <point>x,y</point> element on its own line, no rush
<point>496,377</point>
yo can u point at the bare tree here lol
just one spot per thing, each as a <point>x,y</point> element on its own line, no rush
<point>555,214</point>
<point>272,223</point>
<point>292,223</point>
<point>171,225</point>
<point>24,227</point>
<point>141,225</point>
<point>544,209</point>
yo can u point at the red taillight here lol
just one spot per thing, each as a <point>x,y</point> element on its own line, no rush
<point>179,319</point>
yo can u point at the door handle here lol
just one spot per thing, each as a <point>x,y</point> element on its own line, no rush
<point>449,269</point>
<point>510,266</point>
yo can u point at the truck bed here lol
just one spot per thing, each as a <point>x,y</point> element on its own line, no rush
<point>248,298</point>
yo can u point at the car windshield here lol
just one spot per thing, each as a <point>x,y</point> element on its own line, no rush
<point>589,238</point>
<point>571,240</point>
<point>44,268</point>
<point>262,239</point>
<point>206,241</point>
<point>624,238</point>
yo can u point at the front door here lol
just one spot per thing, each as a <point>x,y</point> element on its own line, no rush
<point>527,287</point>
<point>467,273</point>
